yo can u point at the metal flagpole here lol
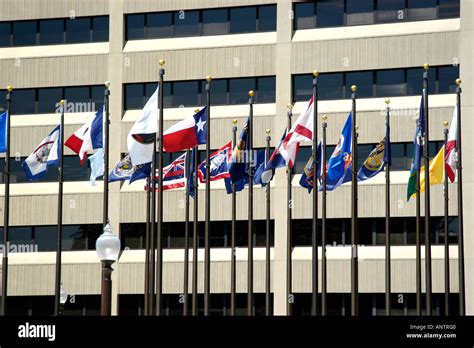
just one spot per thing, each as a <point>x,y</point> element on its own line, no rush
<point>289,203</point>
<point>267,234</point>
<point>186,238</point>
<point>234,215</point>
<point>314,238</point>
<point>462,292</point>
<point>418,234</point>
<point>6,210</point>
<point>195,234</point>
<point>426,157</point>
<point>354,232</point>
<point>446,228</point>
<point>207,226</point>
<point>324,228</point>
<point>57,286</point>
<point>147,249</point>
<point>159,249</point>
<point>250,207</point>
<point>388,259</point>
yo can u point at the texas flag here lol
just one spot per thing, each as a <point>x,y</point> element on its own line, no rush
<point>219,168</point>
<point>187,133</point>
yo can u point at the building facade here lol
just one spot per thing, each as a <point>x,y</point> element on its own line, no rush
<point>67,49</point>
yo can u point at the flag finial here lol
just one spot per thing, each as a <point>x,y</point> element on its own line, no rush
<point>289,106</point>
<point>268,131</point>
<point>426,66</point>
<point>9,88</point>
<point>354,88</point>
<point>61,102</point>
<point>445,123</point>
<point>458,82</point>
<point>315,73</point>
<point>387,101</point>
<point>107,84</point>
<point>196,110</point>
<point>325,117</point>
<point>251,93</point>
<point>234,122</point>
<point>161,62</point>
<point>208,78</point>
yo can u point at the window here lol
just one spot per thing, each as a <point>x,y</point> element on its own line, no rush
<point>304,16</point>
<point>24,102</point>
<point>219,92</point>
<point>100,29</point>
<point>446,79</point>
<point>186,23</point>
<point>449,8</point>
<point>215,22</point>
<point>45,237</point>
<point>134,96</point>
<point>239,90</point>
<point>24,33</point>
<point>97,96</point>
<point>267,18</point>
<point>359,12</point>
<point>390,83</point>
<point>363,80</point>
<point>330,86</point>
<point>391,11</point>
<point>51,32</point>
<point>329,13</point>
<point>78,30</point>
<point>4,34</point>
<point>48,99</point>
<point>265,90</point>
<point>135,27</point>
<point>302,87</point>
<point>76,94</point>
<point>159,25</point>
<point>185,93</point>
<point>243,20</point>
<point>419,10</point>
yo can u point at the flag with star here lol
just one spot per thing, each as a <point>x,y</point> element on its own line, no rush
<point>187,133</point>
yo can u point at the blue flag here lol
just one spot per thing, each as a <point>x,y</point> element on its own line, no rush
<point>97,165</point>
<point>141,171</point>
<point>239,162</point>
<point>276,161</point>
<point>306,179</point>
<point>97,130</point>
<point>3,132</point>
<point>419,136</point>
<point>257,178</point>
<point>124,170</point>
<point>190,175</point>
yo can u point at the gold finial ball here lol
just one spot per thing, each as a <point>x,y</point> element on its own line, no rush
<point>426,66</point>
<point>387,101</point>
<point>107,84</point>
<point>458,82</point>
<point>161,62</point>
<point>325,117</point>
<point>196,110</point>
<point>289,106</point>
<point>251,93</point>
<point>445,123</point>
<point>234,121</point>
<point>9,88</point>
<point>208,78</point>
<point>61,102</point>
<point>357,128</point>
<point>353,88</point>
<point>315,73</point>
<point>268,131</point>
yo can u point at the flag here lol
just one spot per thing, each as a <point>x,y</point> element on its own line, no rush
<point>418,141</point>
<point>89,137</point>
<point>242,182</point>
<point>190,175</point>
<point>141,137</point>
<point>275,161</point>
<point>306,179</point>
<point>3,132</point>
<point>140,171</point>
<point>46,154</point>
<point>302,130</point>
<point>219,164</point>
<point>174,174</point>
<point>341,159</point>
<point>374,163</point>
<point>187,133</point>
<point>451,154</point>
<point>261,155</point>
<point>239,161</point>
<point>436,171</point>
<point>97,165</point>
<point>124,170</point>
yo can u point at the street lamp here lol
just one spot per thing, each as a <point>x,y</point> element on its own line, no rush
<point>108,249</point>
<point>63,295</point>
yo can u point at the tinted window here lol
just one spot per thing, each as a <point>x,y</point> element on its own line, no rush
<point>359,12</point>
<point>239,90</point>
<point>24,33</point>
<point>23,102</point>
<point>304,16</point>
<point>363,80</point>
<point>185,93</point>
<point>73,171</point>
<point>186,23</point>
<point>243,20</point>
<point>45,238</point>
<point>4,34</point>
<point>100,29</point>
<point>78,30</point>
<point>3,102</point>
<point>267,18</point>
<point>391,10</point>
<point>329,13</point>
<point>448,8</point>
<point>21,235</point>
<point>446,79</point>
<point>265,90</point>
<point>135,27</point>
<point>97,93</point>
<point>421,10</point>
<point>48,98</point>
<point>133,96</point>
<point>415,81</point>
<point>215,22</point>
<point>390,83</point>
<point>302,87</point>
<point>330,86</point>
<point>51,32</point>
<point>218,92</point>
<point>159,25</point>
<point>76,94</point>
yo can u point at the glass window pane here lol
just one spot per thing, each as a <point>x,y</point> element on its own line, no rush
<point>132,236</point>
<point>3,102</point>
<point>78,30</point>
<point>363,80</point>
<point>48,99</point>
<point>185,93</point>
<point>73,171</point>
<point>97,93</point>
<point>4,34</point>
<point>304,153</point>
<point>391,11</point>
<point>239,90</point>
<point>265,90</point>
<point>398,156</point>
<point>167,95</point>
<point>218,92</point>
<point>159,25</point>
<point>267,18</point>
<point>363,152</point>
<point>45,238</point>
<point>186,23</point>
<point>24,33</point>
<point>215,22</point>
<point>100,29</point>
<point>74,237</point>
<point>449,8</point>
<point>150,88</point>
<point>135,27</point>
<point>447,76</point>
<point>304,16</point>
<point>243,20</point>
<point>51,32</point>
<point>329,13</point>
<point>302,87</point>
<point>76,95</point>
<point>390,83</point>
<point>93,232</point>
<point>421,10</point>
<point>415,81</point>
<point>134,96</point>
<point>24,102</point>
<point>20,237</point>
<point>359,12</point>
<point>330,86</point>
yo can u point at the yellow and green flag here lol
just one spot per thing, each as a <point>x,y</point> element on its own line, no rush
<point>436,173</point>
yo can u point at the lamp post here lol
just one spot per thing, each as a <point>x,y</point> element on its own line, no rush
<point>108,249</point>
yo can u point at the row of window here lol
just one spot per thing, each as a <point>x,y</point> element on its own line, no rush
<point>46,100</point>
<point>183,23</point>
<point>77,305</point>
<point>336,13</point>
<point>54,31</point>
<point>191,93</point>
<point>376,83</point>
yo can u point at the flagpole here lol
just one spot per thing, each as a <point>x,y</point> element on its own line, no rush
<point>250,208</point>
<point>57,287</point>
<point>446,228</point>
<point>234,215</point>
<point>267,235</point>
<point>418,235</point>
<point>207,247</point>
<point>315,266</point>
<point>289,266</point>
<point>388,259</point>
<point>426,157</point>
<point>323,232</point>
<point>354,232</point>
<point>6,210</point>
<point>462,293</point>
<point>186,238</point>
<point>195,234</point>
<point>147,249</point>
<point>159,249</point>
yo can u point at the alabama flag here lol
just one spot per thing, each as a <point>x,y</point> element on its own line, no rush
<point>451,154</point>
<point>187,133</point>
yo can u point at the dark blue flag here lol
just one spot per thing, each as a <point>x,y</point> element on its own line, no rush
<point>3,132</point>
<point>306,179</point>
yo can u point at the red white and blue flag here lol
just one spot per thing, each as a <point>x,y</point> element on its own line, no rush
<point>219,168</point>
<point>187,133</point>
<point>174,174</point>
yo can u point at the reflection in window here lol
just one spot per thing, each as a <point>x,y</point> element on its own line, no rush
<point>359,12</point>
<point>419,10</point>
<point>391,11</point>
